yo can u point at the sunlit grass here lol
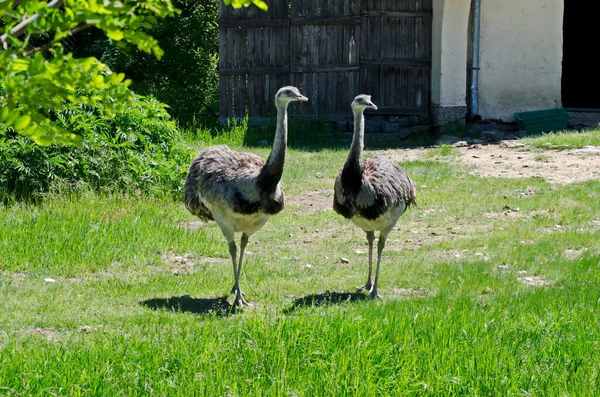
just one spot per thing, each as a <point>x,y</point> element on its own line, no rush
<point>478,299</point>
<point>444,150</point>
<point>564,140</point>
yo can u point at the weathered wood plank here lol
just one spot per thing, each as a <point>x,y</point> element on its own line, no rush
<point>254,71</point>
<point>395,61</point>
<point>325,20</point>
<point>254,23</point>
<point>396,14</point>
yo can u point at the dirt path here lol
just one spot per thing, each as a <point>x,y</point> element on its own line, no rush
<point>508,160</point>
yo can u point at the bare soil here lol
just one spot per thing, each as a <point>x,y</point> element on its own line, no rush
<point>509,160</point>
<point>506,159</point>
<point>312,201</point>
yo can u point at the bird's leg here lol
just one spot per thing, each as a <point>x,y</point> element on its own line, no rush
<point>380,247</point>
<point>237,267</point>
<point>239,298</point>
<point>369,285</point>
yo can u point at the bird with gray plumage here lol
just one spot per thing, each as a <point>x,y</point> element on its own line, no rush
<point>239,191</point>
<point>371,192</point>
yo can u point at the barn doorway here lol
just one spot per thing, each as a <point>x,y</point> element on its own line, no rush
<point>581,76</point>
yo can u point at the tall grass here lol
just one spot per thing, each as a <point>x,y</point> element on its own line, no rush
<point>564,140</point>
<point>232,133</point>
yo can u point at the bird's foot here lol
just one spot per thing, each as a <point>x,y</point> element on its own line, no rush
<point>367,287</point>
<point>239,301</point>
<point>374,295</point>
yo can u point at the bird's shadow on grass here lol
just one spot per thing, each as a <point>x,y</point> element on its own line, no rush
<point>325,299</point>
<point>212,306</point>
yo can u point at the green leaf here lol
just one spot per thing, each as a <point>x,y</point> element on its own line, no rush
<point>19,65</point>
<point>22,122</point>
<point>4,113</point>
<point>115,34</point>
<point>261,4</point>
<point>12,117</point>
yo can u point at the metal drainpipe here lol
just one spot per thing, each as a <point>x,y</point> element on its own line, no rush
<point>475,60</point>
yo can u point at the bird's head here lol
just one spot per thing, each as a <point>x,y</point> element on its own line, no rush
<point>362,102</point>
<point>288,94</point>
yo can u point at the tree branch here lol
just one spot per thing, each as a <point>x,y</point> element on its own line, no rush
<point>47,46</point>
<point>21,27</point>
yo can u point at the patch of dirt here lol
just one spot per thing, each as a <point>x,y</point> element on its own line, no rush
<point>574,253</point>
<point>184,264</point>
<point>191,225</point>
<point>90,328</point>
<point>312,202</point>
<point>16,276</point>
<point>535,281</point>
<point>408,293</point>
<point>509,212</point>
<point>4,339</point>
<point>48,333</point>
<point>507,161</point>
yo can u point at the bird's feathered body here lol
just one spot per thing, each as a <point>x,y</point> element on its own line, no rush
<point>365,192</point>
<point>221,180</point>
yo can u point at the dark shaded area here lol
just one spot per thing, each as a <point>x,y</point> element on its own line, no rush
<point>325,299</point>
<point>581,79</point>
<point>310,136</point>
<point>186,77</point>
<point>217,306</point>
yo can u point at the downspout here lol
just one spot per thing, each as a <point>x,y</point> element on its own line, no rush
<point>475,61</point>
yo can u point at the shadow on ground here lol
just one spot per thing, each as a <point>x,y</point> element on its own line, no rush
<point>326,298</point>
<point>217,306</point>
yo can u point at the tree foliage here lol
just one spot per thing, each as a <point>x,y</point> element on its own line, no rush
<point>245,3</point>
<point>186,77</point>
<point>38,78</point>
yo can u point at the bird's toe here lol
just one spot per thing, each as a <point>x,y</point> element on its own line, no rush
<point>374,295</point>
<point>239,301</point>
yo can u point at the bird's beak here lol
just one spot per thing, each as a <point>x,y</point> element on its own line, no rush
<point>373,106</point>
<point>302,98</point>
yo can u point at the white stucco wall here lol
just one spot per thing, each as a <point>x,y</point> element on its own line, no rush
<point>449,52</point>
<point>520,56</point>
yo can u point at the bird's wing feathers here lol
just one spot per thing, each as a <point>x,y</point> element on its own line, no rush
<point>383,184</point>
<point>226,177</point>
<point>386,179</point>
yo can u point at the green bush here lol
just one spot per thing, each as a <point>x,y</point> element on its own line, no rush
<point>137,149</point>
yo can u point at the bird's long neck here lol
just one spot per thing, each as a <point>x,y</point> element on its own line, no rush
<point>354,159</point>
<point>273,169</point>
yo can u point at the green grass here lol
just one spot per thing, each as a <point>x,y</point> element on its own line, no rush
<point>455,319</point>
<point>444,150</point>
<point>564,140</point>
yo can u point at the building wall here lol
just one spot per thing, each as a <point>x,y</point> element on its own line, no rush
<point>449,59</point>
<point>521,56</point>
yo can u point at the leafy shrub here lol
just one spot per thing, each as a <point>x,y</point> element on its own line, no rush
<point>137,149</point>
